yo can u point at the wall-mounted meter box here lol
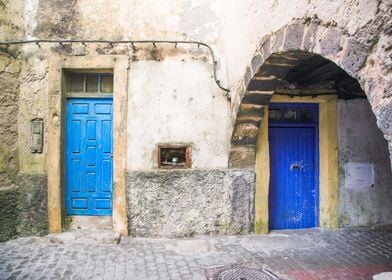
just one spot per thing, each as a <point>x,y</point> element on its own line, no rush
<point>37,131</point>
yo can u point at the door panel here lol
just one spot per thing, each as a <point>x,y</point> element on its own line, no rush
<point>293,201</point>
<point>89,149</point>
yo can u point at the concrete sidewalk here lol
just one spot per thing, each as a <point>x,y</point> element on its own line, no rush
<point>301,254</point>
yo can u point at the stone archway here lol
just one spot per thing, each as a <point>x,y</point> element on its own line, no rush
<point>273,62</point>
<point>278,53</point>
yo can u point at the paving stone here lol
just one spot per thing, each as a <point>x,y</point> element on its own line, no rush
<point>305,254</point>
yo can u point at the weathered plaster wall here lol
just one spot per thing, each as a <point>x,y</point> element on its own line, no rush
<point>11,27</point>
<point>181,203</point>
<point>360,140</point>
<point>168,19</point>
<point>9,97</point>
<point>23,196</point>
<point>11,19</point>
<point>174,100</point>
<point>33,104</point>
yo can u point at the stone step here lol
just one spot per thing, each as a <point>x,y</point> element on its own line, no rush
<point>90,222</point>
<point>85,236</point>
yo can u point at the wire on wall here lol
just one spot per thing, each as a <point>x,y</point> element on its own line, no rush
<point>132,43</point>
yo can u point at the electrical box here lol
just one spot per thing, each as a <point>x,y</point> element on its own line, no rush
<point>37,131</point>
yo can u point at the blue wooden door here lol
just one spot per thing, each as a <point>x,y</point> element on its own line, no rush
<point>293,192</point>
<point>89,157</point>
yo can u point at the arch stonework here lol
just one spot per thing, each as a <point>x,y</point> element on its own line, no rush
<point>278,53</point>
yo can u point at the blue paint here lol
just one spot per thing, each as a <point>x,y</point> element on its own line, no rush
<point>293,192</point>
<point>89,164</point>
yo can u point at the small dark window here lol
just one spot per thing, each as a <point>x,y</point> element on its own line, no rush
<point>293,113</point>
<point>174,156</point>
<point>90,83</point>
<point>107,83</point>
<point>274,114</point>
<point>306,115</point>
<point>76,83</point>
<point>290,115</point>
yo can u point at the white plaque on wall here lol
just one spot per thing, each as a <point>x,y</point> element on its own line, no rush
<point>359,175</point>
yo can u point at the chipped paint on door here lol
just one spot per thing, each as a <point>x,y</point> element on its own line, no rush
<point>293,196</point>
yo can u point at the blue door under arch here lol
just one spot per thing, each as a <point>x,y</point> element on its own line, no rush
<point>293,142</point>
<point>89,156</point>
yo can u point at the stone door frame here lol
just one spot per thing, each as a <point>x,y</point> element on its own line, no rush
<point>56,135</point>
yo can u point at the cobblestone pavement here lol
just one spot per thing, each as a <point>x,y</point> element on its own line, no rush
<point>305,254</point>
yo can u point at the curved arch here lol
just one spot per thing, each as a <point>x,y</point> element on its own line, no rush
<point>279,60</point>
<point>275,56</point>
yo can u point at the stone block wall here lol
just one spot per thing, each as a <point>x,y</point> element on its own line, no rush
<point>180,203</point>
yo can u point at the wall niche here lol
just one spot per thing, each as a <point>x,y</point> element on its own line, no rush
<point>174,156</point>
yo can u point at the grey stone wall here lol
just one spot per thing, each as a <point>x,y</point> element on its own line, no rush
<point>23,207</point>
<point>360,140</point>
<point>180,203</point>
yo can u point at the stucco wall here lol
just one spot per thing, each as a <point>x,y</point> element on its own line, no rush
<point>11,27</point>
<point>11,19</point>
<point>175,101</point>
<point>9,87</point>
<point>361,141</point>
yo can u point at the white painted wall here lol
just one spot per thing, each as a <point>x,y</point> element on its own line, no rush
<point>149,19</point>
<point>176,101</point>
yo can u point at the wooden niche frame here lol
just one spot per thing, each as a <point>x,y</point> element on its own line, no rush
<point>174,156</point>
